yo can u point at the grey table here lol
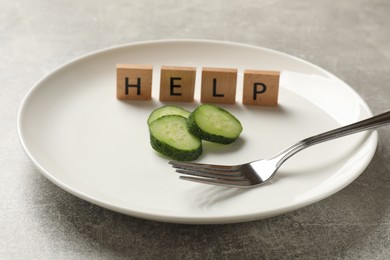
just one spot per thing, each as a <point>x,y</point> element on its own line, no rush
<point>38,220</point>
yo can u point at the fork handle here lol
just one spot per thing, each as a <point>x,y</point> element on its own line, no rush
<point>366,124</point>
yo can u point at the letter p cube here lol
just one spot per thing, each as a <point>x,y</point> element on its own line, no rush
<point>261,88</point>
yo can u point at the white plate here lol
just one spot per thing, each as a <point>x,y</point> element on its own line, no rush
<point>96,147</point>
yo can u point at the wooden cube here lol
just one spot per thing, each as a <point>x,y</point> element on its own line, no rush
<point>134,82</point>
<point>218,85</point>
<point>177,84</point>
<point>261,88</point>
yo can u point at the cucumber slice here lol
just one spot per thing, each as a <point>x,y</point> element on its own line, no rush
<point>167,110</point>
<point>169,136</point>
<point>214,124</point>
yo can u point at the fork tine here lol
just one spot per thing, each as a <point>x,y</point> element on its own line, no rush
<point>210,174</point>
<point>202,166</point>
<point>229,183</point>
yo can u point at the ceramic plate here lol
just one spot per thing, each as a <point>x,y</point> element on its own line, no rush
<point>96,147</point>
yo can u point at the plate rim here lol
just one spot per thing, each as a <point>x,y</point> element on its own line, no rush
<point>171,218</point>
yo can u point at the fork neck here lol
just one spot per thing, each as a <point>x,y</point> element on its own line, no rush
<point>281,157</point>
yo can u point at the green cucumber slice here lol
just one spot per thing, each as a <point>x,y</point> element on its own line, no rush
<point>169,135</point>
<point>214,124</point>
<point>167,110</point>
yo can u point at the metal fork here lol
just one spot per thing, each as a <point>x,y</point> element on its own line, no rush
<point>260,171</point>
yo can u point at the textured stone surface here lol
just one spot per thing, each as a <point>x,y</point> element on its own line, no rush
<point>39,220</point>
